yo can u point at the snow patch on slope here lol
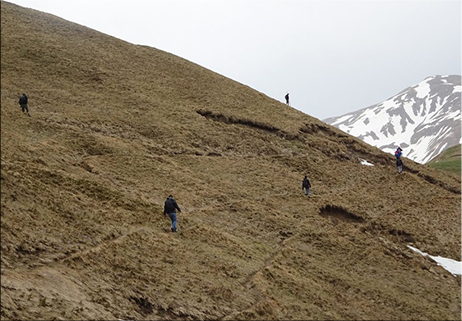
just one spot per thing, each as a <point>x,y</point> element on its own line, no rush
<point>453,266</point>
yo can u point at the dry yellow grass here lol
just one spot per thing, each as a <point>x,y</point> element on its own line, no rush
<point>116,127</point>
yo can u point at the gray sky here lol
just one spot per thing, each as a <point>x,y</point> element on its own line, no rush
<point>333,57</point>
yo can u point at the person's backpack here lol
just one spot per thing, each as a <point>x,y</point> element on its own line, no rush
<point>22,100</point>
<point>170,205</point>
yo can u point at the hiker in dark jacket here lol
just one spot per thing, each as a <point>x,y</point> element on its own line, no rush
<point>23,104</point>
<point>399,164</point>
<point>287,98</point>
<point>169,208</point>
<point>306,185</point>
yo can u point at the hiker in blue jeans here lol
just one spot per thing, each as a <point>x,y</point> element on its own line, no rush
<point>170,208</point>
<point>306,185</point>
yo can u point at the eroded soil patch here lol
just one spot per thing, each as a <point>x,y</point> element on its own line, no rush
<point>246,122</point>
<point>398,235</point>
<point>339,213</point>
<point>143,303</point>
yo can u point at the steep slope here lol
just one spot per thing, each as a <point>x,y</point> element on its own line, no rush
<point>115,128</point>
<point>424,119</point>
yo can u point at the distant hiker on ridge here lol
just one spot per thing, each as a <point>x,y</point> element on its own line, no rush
<point>398,152</point>
<point>306,185</point>
<point>287,98</point>
<point>169,208</point>
<point>23,104</point>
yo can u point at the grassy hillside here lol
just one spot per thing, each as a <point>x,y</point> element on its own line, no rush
<point>116,127</point>
<point>448,160</point>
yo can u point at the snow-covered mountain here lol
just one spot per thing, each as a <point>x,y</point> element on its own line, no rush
<point>424,119</point>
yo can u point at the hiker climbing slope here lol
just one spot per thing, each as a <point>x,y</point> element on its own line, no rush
<point>306,185</point>
<point>287,98</point>
<point>399,162</point>
<point>23,104</point>
<point>170,208</point>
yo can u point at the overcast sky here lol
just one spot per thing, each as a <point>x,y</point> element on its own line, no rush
<point>333,57</point>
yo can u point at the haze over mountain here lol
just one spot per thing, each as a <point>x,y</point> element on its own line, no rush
<point>115,128</point>
<point>423,119</point>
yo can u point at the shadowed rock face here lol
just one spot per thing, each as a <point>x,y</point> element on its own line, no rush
<point>425,117</point>
<point>115,128</point>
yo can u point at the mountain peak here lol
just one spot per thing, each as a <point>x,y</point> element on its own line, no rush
<point>424,119</point>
